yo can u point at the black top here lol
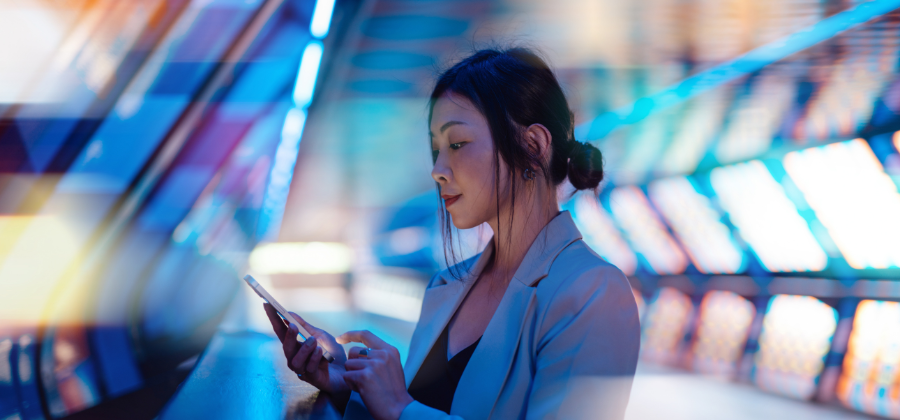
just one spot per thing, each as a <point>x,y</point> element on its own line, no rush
<point>435,383</point>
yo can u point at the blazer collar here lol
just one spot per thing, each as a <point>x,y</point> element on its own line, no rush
<point>556,236</point>
<point>446,293</point>
<point>483,379</point>
<point>470,269</point>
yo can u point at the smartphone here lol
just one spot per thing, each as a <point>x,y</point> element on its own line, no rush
<point>283,313</point>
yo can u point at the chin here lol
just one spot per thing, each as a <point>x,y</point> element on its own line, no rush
<point>463,222</point>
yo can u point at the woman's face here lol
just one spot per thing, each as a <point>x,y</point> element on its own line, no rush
<point>465,161</point>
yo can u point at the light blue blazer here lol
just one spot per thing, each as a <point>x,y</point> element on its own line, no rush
<point>563,343</point>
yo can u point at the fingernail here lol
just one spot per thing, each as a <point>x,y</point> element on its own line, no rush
<point>294,328</point>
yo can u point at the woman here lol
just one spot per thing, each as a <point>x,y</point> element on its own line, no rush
<point>537,325</point>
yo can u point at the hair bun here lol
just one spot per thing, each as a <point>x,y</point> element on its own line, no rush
<point>585,169</point>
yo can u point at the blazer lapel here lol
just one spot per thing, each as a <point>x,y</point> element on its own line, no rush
<point>438,306</point>
<point>484,376</point>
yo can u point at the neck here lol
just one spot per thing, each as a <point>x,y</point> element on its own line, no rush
<point>538,206</point>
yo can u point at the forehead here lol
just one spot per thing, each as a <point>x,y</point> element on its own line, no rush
<point>454,107</point>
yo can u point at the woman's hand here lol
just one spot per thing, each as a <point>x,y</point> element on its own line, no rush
<point>306,358</point>
<point>377,377</point>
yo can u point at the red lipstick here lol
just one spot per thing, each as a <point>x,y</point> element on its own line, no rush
<point>450,199</point>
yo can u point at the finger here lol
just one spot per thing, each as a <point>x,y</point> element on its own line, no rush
<point>309,327</point>
<point>313,364</point>
<point>276,321</point>
<point>290,344</point>
<point>298,363</point>
<point>365,337</point>
<point>357,364</point>
<point>352,380</point>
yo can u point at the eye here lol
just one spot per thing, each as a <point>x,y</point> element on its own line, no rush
<point>456,146</point>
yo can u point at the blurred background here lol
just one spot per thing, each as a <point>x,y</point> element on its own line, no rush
<point>152,152</point>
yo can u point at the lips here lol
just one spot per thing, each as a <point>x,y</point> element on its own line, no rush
<point>450,199</point>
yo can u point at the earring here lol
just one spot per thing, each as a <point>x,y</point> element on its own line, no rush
<point>528,174</point>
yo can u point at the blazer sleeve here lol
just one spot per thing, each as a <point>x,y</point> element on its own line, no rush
<point>587,349</point>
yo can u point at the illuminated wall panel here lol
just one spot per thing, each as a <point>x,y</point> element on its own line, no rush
<point>863,62</point>
<point>646,233</point>
<point>724,323</point>
<point>870,380</point>
<point>795,338</point>
<point>756,118</point>
<point>856,201</point>
<point>707,241</point>
<point>698,127</point>
<point>767,219</point>
<point>844,103</point>
<point>601,235</point>
<point>664,324</point>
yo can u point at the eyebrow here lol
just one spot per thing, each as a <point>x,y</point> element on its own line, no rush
<point>447,125</point>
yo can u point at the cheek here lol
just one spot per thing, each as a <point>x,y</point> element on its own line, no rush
<point>474,174</point>
<point>476,171</point>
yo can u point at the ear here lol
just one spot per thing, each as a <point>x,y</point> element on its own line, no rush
<point>538,141</point>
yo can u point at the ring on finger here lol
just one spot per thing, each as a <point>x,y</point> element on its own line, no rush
<point>364,353</point>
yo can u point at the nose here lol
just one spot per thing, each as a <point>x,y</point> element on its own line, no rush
<point>441,171</point>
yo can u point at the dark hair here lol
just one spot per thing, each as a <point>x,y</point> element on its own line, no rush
<point>514,88</point>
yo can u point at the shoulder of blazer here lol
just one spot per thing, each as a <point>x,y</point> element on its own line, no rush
<point>578,270</point>
<point>579,278</point>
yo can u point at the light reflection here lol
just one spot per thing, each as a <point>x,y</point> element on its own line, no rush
<point>756,118</point>
<point>601,235</point>
<point>301,257</point>
<point>64,49</point>
<point>707,241</point>
<point>43,252</point>
<point>870,380</point>
<point>391,296</point>
<point>767,219</point>
<point>796,336</point>
<point>856,201</point>
<point>645,231</point>
<point>664,326</point>
<point>724,323</point>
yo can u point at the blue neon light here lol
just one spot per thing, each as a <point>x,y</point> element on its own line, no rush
<point>321,19</point>
<point>752,61</point>
<point>282,172</point>
<point>306,76</point>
